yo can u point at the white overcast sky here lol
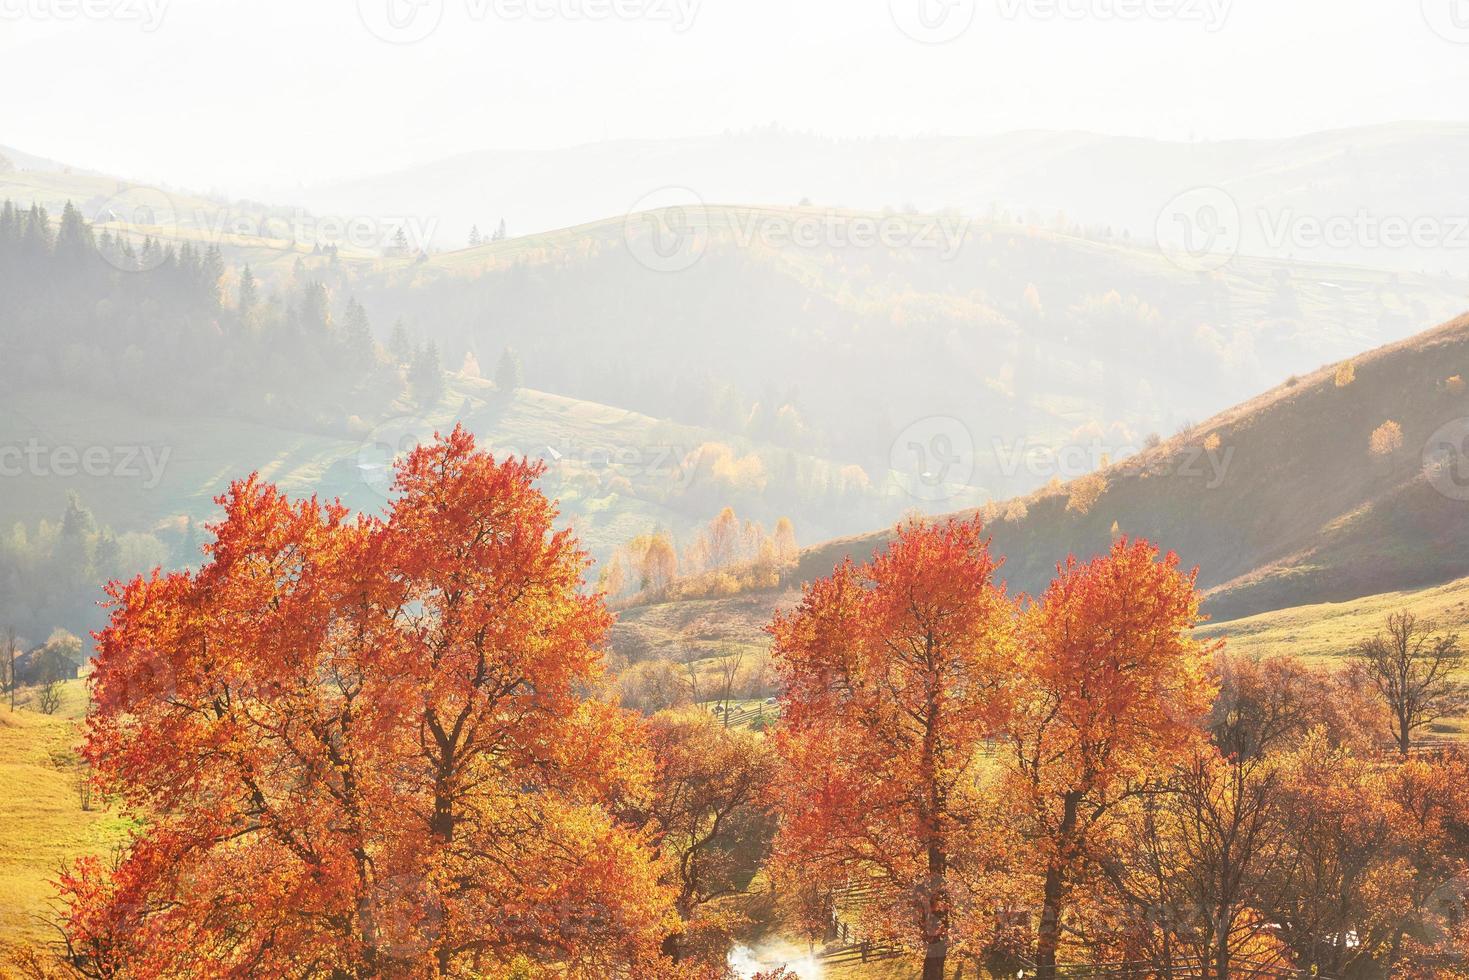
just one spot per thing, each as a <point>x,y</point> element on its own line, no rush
<point>243,95</point>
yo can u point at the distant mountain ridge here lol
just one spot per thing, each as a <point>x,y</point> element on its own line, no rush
<point>1391,171</point>
<point>22,160</point>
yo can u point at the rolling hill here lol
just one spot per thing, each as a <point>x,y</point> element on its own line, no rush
<point>1008,333</point>
<point>45,826</point>
<point>943,363</point>
<point>1339,487</point>
<point>616,473</point>
<point>1015,337</point>
<point>1097,180</point>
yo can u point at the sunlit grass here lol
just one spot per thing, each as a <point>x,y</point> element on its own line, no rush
<point>42,824</point>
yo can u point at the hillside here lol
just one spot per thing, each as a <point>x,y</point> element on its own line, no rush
<point>1322,631</point>
<point>1289,506</point>
<point>1097,180</point>
<point>1011,330</point>
<point>271,238</point>
<point>1279,501</point>
<point>941,364</point>
<point>615,473</point>
<point>45,825</point>
<point>1014,336</point>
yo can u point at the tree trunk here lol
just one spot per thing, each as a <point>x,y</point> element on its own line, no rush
<point>936,928</point>
<point>1048,936</point>
<point>441,825</point>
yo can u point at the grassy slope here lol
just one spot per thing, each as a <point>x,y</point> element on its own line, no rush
<point>1305,544</point>
<point>42,824</point>
<point>1303,512</point>
<point>915,334</point>
<point>1324,633</point>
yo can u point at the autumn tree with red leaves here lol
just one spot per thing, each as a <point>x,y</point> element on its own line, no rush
<point>895,677</point>
<point>1114,689</point>
<point>359,746</point>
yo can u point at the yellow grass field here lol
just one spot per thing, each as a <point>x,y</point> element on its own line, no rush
<point>42,823</point>
<point>1325,632</point>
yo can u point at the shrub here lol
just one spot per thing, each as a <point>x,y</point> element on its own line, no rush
<point>1346,373</point>
<point>1387,439</point>
<point>1085,493</point>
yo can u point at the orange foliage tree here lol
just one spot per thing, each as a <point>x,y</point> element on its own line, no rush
<point>1376,884</point>
<point>357,746</point>
<point>1113,690</point>
<point>659,565</point>
<point>707,809</point>
<point>894,674</point>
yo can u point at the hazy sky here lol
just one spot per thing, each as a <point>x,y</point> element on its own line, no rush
<point>243,95</point>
